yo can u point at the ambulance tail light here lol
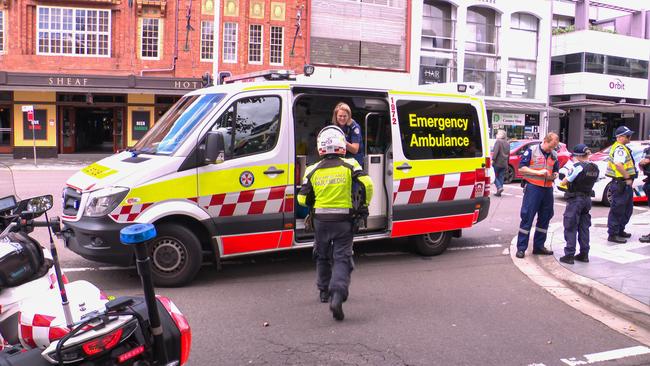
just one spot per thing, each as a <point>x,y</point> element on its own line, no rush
<point>482,184</point>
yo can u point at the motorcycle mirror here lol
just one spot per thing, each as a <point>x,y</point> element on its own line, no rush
<point>36,205</point>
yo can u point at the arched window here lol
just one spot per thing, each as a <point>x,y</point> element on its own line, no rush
<point>522,69</point>
<point>438,46</point>
<point>481,59</point>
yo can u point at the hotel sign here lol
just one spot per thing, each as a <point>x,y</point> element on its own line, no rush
<point>98,81</point>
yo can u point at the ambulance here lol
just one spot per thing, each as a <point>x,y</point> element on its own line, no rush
<point>219,172</point>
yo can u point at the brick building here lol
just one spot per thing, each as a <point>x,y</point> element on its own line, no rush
<point>99,73</point>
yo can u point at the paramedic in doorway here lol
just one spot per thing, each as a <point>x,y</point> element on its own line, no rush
<point>539,167</point>
<point>577,218</point>
<point>327,187</point>
<point>342,117</point>
<point>622,170</point>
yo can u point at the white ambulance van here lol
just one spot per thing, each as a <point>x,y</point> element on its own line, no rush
<point>218,173</point>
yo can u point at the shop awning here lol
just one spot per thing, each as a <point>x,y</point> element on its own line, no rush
<point>521,107</point>
<point>597,105</point>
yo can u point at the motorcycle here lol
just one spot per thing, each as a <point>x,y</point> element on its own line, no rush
<point>83,328</point>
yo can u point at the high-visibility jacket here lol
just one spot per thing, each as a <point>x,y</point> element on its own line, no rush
<point>540,161</point>
<point>628,165</point>
<point>327,187</point>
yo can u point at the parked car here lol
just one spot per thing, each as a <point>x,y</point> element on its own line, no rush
<point>517,149</point>
<point>600,191</point>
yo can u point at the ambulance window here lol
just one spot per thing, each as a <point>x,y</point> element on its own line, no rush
<point>250,126</point>
<point>439,130</point>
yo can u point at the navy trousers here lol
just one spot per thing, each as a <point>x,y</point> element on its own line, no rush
<point>537,201</point>
<point>333,253</point>
<point>577,220</point>
<point>621,208</point>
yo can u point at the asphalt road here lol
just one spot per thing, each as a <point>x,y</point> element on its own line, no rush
<point>469,306</point>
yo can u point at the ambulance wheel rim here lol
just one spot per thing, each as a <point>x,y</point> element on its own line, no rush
<point>434,238</point>
<point>168,255</point>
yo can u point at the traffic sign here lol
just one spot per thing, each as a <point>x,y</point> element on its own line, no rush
<point>28,108</point>
<point>30,116</point>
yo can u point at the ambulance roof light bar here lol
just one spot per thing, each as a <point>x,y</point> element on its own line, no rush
<point>470,88</point>
<point>268,75</point>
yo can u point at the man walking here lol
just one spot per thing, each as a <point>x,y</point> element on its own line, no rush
<point>327,186</point>
<point>539,167</point>
<point>621,169</point>
<point>644,164</point>
<point>500,157</point>
<point>577,218</point>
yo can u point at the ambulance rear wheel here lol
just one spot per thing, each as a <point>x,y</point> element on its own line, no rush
<point>175,255</point>
<point>432,243</point>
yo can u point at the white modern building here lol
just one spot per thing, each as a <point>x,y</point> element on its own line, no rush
<point>599,72</point>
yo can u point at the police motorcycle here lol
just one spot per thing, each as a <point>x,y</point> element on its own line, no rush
<point>46,321</point>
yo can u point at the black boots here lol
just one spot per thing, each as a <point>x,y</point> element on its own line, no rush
<point>324,296</point>
<point>336,306</point>
<point>568,259</point>
<point>616,239</point>
<point>582,257</point>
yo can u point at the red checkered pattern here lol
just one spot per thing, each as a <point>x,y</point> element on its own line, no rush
<point>253,202</point>
<point>129,213</point>
<point>435,188</point>
<point>38,331</point>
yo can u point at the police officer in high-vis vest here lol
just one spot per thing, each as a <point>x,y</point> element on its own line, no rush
<point>327,187</point>
<point>577,218</point>
<point>539,167</point>
<point>622,170</point>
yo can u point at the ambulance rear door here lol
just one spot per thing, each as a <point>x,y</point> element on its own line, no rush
<point>439,162</point>
<point>248,193</point>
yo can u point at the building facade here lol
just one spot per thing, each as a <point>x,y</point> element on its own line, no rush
<point>599,74</point>
<point>99,73</point>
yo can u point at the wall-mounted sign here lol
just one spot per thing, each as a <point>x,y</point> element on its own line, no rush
<point>617,84</point>
<point>432,74</point>
<point>139,123</point>
<point>508,119</point>
<point>38,126</point>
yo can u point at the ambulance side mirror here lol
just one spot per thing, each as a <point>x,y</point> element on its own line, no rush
<point>215,151</point>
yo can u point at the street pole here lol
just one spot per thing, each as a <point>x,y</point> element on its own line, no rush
<point>34,140</point>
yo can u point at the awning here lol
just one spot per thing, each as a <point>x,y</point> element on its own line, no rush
<point>521,107</point>
<point>597,105</point>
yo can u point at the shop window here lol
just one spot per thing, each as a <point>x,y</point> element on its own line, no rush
<point>150,38</point>
<point>437,69</point>
<point>73,31</point>
<point>618,66</point>
<point>566,64</point>
<point>639,69</point>
<point>277,46</point>
<point>229,42</point>
<point>482,30</point>
<point>250,126</point>
<point>255,44</point>
<point>438,27</point>
<point>207,40</point>
<point>2,31</point>
<point>521,78</point>
<point>594,63</point>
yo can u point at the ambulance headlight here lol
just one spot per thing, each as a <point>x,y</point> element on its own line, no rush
<point>103,201</point>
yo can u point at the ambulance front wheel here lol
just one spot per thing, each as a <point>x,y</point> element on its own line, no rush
<point>175,255</point>
<point>432,243</point>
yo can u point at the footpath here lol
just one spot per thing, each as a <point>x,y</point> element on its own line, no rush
<point>63,162</point>
<point>616,277</point>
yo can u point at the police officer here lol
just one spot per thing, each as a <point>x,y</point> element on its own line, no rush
<point>621,169</point>
<point>342,117</point>
<point>539,167</point>
<point>327,187</point>
<point>644,164</point>
<point>577,218</point>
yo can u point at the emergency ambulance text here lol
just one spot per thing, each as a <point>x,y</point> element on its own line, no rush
<point>439,123</point>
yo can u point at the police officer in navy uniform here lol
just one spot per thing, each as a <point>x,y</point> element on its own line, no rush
<point>622,170</point>
<point>577,218</point>
<point>342,117</point>
<point>539,167</point>
<point>644,164</point>
<point>327,187</point>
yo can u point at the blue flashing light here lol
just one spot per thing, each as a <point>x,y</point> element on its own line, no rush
<point>137,233</point>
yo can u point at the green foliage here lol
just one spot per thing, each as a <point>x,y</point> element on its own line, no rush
<point>572,28</point>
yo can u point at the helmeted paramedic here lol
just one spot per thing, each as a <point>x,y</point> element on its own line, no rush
<point>539,166</point>
<point>327,187</point>
<point>577,216</point>
<point>622,170</point>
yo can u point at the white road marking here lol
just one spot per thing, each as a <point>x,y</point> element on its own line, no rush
<point>496,229</point>
<point>476,247</point>
<point>560,204</point>
<point>607,355</point>
<point>519,196</point>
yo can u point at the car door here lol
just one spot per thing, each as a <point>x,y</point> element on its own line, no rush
<point>247,194</point>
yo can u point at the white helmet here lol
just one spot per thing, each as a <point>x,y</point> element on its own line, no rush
<point>331,140</point>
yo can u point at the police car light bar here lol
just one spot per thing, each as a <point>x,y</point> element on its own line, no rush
<point>268,75</point>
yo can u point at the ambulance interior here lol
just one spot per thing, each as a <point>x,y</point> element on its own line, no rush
<point>313,111</point>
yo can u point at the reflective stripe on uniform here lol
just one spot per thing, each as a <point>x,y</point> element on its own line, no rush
<point>524,231</point>
<point>321,210</point>
<point>541,230</point>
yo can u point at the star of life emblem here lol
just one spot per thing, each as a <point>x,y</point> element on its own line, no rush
<point>246,179</point>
